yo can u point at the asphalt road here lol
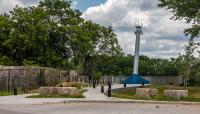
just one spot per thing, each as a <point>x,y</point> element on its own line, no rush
<point>100,108</point>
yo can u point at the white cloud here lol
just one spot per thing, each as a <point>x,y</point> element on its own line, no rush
<point>8,5</point>
<point>162,37</point>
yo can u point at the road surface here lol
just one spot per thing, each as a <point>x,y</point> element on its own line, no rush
<point>100,108</point>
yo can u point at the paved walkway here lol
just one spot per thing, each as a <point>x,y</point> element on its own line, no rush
<point>91,95</point>
<point>95,94</point>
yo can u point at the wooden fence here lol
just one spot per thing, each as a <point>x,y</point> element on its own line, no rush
<point>27,78</point>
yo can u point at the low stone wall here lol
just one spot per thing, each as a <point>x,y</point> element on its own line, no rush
<point>146,92</point>
<point>48,91</point>
<point>177,94</point>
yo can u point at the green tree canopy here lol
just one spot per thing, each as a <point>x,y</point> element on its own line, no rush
<point>51,34</point>
<point>185,9</point>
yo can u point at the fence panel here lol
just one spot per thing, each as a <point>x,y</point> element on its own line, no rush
<point>177,80</point>
<point>26,79</point>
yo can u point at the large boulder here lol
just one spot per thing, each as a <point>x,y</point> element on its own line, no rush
<point>146,92</point>
<point>67,91</point>
<point>177,94</point>
<point>49,91</point>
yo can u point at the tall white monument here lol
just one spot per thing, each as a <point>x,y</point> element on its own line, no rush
<point>135,78</point>
<point>138,32</point>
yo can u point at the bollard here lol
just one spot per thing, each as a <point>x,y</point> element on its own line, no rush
<point>94,84</point>
<point>143,84</point>
<point>102,89</point>
<point>109,89</point>
<point>124,84</point>
<point>89,83</point>
<point>15,91</point>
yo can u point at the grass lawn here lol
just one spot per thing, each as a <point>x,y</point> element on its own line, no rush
<point>3,93</point>
<point>80,95</point>
<point>194,93</point>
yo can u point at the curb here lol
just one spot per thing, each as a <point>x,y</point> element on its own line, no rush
<point>127,101</point>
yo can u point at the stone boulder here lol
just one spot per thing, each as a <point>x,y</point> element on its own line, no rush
<point>177,94</point>
<point>49,91</point>
<point>67,91</point>
<point>146,92</point>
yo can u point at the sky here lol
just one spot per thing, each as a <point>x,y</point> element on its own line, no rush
<point>162,38</point>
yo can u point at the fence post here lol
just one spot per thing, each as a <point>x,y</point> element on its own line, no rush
<point>59,77</point>
<point>15,90</point>
<point>109,89</point>
<point>8,80</point>
<point>26,78</point>
<point>94,84</point>
<point>124,84</point>
<point>102,88</point>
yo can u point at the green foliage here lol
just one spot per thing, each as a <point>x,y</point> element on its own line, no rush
<point>123,66</point>
<point>186,62</point>
<point>4,93</point>
<point>194,94</point>
<point>51,34</point>
<point>96,75</point>
<point>194,76</point>
<point>185,9</point>
<point>78,95</point>
<point>188,10</point>
<point>4,60</point>
<point>73,84</point>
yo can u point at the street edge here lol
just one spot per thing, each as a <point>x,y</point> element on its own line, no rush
<point>127,101</point>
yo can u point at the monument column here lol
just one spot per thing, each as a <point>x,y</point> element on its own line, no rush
<point>138,32</point>
<point>135,78</point>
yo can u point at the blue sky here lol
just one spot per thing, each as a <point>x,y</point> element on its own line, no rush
<point>82,5</point>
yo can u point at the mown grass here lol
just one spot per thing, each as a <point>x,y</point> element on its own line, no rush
<point>79,95</point>
<point>56,96</point>
<point>194,94</point>
<point>73,84</point>
<point>4,93</point>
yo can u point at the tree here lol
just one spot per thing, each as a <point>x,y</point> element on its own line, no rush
<point>195,73</point>
<point>33,38</point>
<point>5,28</point>
<point>185,9</point>
<point>188,10</point>
<point>186,62</point>
<point>53,34</point>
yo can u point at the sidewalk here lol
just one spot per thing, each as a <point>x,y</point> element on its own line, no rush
<point>92,95</point>
<point>95,94</point>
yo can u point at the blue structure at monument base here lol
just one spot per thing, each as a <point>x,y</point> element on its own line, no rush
<point>135,79</point>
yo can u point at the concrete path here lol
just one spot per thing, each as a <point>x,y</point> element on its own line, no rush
<point>91,95</point>
<point>95,94</point>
